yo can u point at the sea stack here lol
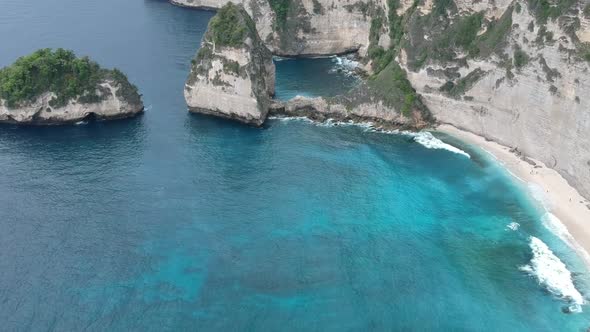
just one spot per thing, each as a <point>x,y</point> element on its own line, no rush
<point>232,75</point>
<point>56,87</point>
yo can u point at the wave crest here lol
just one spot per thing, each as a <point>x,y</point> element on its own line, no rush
<point>426,139</point>
<point>346,65</point>
<point>553,274</point>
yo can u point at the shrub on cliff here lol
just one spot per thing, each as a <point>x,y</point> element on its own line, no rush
<point>230,26</point>
<point>60,72</point>
<point>281,9</point>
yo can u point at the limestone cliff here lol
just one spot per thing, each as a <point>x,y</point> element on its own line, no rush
<point>513,71</point>
<point>232,75</point>
<point>110,105</point>
<point>306,27</point>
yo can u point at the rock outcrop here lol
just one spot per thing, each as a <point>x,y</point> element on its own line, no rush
<point>55,87</point>
<point>322,109</point>
<point>111,105</point>
<point>232,75</point>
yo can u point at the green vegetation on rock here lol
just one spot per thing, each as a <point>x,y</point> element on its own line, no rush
<point>281,9</point>
<point>439,38</point>
<point>520,58</point>
<point>61,73</point>
<point>463,85</point>
<point>230,26</point>
<point>389,82</point>
<point>379,56</point>
<point>546,9</point>
<point>317,7</point>
<point>397,24</point>
<point>292,18</point>
<point>391,85</point>
<point>230,66</point>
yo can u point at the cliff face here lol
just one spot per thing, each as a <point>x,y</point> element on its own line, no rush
<point>113,103</point>
<point>232,75</point>
<point>306,27</point>
<point>521,79</point>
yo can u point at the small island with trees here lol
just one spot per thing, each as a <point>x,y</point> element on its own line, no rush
<point>57,87</point>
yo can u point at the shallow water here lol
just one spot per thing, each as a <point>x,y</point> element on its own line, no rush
<point>172,221</point>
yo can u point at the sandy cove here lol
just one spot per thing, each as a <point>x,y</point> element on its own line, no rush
<point>561,199</point>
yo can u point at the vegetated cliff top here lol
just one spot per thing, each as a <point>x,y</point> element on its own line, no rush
<point>63,74</point>
<point>231,26</point>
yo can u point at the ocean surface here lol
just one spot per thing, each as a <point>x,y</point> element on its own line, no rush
<point>324,76</point>
<point>172,221</point>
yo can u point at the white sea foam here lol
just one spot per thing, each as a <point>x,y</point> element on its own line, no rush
<point>423,138</point>
<point>344,64</point>
<point>552,223</point>
<point>553,274</point>
<point>539,195</point>
<point>513,226</point>
<point>289,118</point>
<point>328,123</point>
<point>81,123</point>
<point>430,142</point>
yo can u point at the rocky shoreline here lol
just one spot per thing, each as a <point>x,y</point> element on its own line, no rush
<point>320,109</point>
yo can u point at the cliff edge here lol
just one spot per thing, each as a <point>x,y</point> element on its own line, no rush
<point>232,75</point>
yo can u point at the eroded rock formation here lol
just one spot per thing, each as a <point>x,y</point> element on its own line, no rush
<point>111,105</point>
<point>232,75</point>
<point>50,87</point>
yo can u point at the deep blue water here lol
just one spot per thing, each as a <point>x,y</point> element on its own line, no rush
<point>173,221</point>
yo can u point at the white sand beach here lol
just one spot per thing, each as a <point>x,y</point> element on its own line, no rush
<point>561,199</point>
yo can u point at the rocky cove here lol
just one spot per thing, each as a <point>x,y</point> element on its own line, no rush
<point>512,71</point>
<point>174,220</point>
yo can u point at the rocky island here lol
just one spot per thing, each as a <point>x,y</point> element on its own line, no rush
<point>56,87</point>
<point>233,74</point>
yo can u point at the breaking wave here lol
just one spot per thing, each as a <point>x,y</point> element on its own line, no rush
<point>552,223</point>
<point>327,123</point>
<point>423,138</point>
<point>513,226</point>
<point>345,64</point>
<point>426,139</point>
<point>553,274</point>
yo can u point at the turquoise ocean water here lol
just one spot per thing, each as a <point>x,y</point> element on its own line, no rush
<point>173,221</point>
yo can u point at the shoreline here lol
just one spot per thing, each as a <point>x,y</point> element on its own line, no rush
<point>559,197</point>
